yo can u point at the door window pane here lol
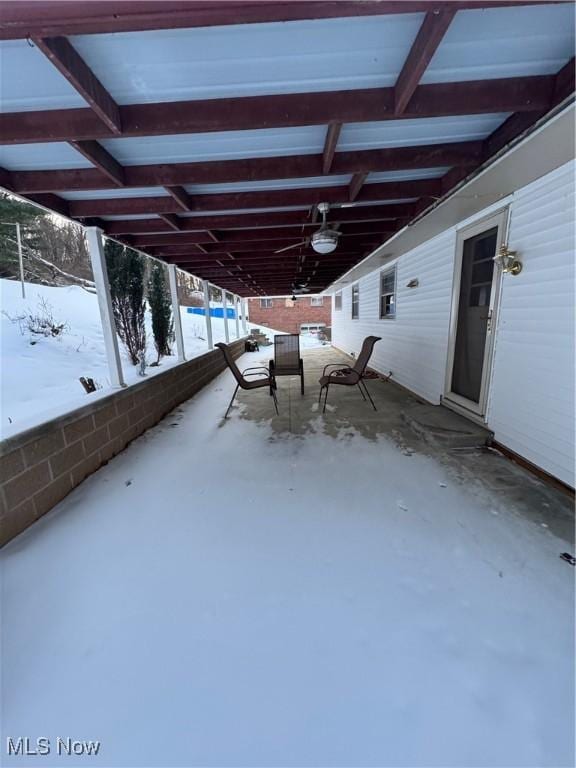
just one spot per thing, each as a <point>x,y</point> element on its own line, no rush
<point>475,291</point>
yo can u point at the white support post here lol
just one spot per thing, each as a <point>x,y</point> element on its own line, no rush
<point>173,280</point>
<point>245,316</point>
<point>225,310</point>
<point>20,258</point>
<point>96,250</point>
<point>206,286</point>
<point>237,310</point>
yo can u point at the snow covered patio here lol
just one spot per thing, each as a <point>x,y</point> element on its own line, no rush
<point>303,590</point>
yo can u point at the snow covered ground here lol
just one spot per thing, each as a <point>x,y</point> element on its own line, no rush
<point>222,594</point>
<point>40,381</point>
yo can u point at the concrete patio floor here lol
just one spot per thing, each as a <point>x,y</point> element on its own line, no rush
<point>329,590</point>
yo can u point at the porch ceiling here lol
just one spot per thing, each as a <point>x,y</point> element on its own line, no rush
<point>234,120</point>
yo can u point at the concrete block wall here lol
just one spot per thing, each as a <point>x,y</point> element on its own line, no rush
<point>39,467</point>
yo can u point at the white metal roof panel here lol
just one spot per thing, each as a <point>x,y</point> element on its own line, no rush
<point>384,203</point>
<point>38,157</point>
<point>233,211</point>
<point>504,42</point>
<point>224,145</point>
<point>28,81</point>
<point>250,59</point>
<point>260,186</point>
<point>408,133</point>
<point>418,173</point>
<point>103,194</point>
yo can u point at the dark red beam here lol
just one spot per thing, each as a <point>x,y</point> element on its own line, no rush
<point>70,17</point>
<point>252,221</point>
<point>266,246</point>
<point>430,34</point>
<point>70,64</point>
<point>257,235</point>
<point>330,143</point>
<point>180,195</point>
<point>356,185</point>
<point>516,94</point>
<point>253,169</point>
<point>171,219</point>
<point>102,159</point>
<point>304,196</point>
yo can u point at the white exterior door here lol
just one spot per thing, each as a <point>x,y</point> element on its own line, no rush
<point>475,297</point>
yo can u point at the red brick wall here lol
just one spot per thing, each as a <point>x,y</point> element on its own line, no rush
<point>289,318</point>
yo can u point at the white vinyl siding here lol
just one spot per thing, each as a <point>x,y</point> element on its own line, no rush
<point>531,394</point>
<point>414,347</point>
<point>531,397</point>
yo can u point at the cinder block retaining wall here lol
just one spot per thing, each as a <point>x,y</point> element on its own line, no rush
<point>39,467</point>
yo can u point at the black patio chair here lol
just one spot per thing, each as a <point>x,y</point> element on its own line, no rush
<point>242,380</point>
<point>287,360</point>
<point>349,376</point>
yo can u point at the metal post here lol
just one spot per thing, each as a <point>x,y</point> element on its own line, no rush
<point>96,250</point>
<point>237,310</point>
<point>172,278</point>
<point>20,259</point>
<point>225,310</point>
<point>245,316</point>
<point>206,286</point>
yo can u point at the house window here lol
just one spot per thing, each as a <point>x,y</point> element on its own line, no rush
<point>355,302</point>
<point>388,294</point>
<point>338,301</point>
<point>316,301</point>
<point>265,303</point>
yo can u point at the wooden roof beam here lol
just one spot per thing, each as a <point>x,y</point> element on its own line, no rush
<point>514,94</point>
<point>101,159</point>
<point>330,143</point>
<point>253,169</point>
<point>179,194</point>
<point>304,196</point>
<point>356,185</point>
<point>429,37</point>
<point>70,64</point>
<point>73,17</point>
<point>172,220</point>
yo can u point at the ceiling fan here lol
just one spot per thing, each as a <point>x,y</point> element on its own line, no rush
<point>324,240</point>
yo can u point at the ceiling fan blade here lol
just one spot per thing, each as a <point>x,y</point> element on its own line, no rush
<point>288,247</point>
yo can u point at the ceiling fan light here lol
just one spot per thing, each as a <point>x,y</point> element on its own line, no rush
<point>325,241</point>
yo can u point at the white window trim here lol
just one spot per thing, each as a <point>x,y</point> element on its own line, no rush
<point>357,286</point>
<point>338,294</point>
<point>316,301</point>
<point>266,305</point>
<point>392,268</point>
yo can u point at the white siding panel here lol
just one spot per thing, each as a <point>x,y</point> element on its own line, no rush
<point>531,408</point>
<point>414,344</point>
<point>531,394</point>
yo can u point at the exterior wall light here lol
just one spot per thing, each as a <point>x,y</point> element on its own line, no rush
<point>506,259</point>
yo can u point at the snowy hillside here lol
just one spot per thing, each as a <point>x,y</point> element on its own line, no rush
<point>40,376</point>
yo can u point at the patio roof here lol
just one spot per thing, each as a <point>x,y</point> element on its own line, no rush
<point>205,134</point>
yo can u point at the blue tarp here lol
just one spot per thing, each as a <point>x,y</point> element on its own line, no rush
<point>214,312</point>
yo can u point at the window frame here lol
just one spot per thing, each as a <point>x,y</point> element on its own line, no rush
<point>267,305</point>
<point>316,301</point>
<point>338,301</point>
<point>382,295</point>
<point>355,289</point>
